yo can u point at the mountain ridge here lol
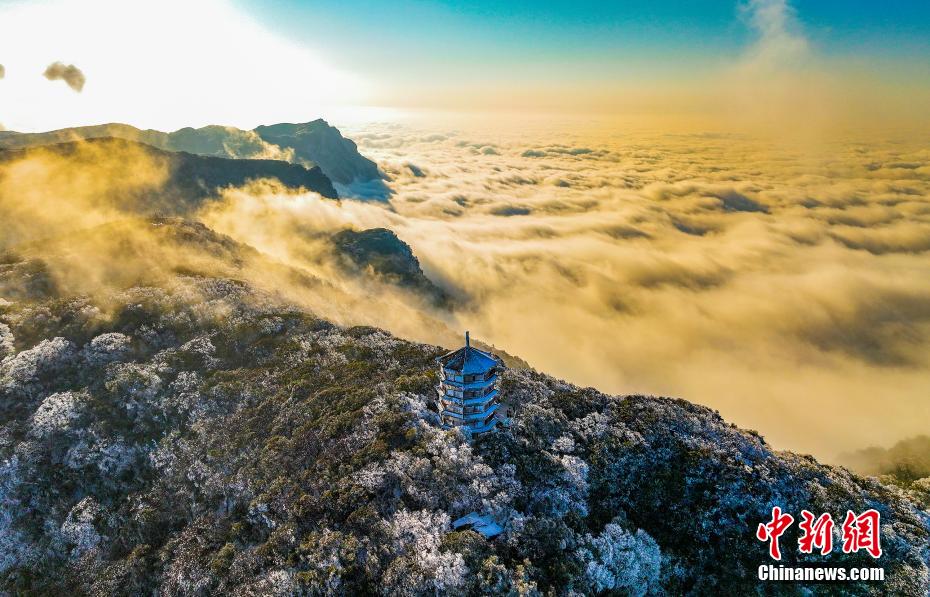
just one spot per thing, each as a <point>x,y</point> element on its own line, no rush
<point>389,258</point>
<point>178,417</point>
<point>314,143</point>
<point>199,435</point>
<point>191,177</point>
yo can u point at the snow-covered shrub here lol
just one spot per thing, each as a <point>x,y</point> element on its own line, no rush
<point>564,444</point>
<point>623,561</point>
<point>275,583</point>
<point>46,358</point>
<point>80,527</point>
<point>56,413</point>
<point>420,567</point>
<point>13,546</point>
<point>6,341</point>
<point>199,352</point>
<point>107,348</point>
<point>133,382</point>
<point>576,471</point>
<point>110,456</point>
<point>920,492</point>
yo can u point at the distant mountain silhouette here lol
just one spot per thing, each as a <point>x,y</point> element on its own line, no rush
<point>217,141</point>
<point>308,144</point>
<point>192,178</point>
<point>906,461</point>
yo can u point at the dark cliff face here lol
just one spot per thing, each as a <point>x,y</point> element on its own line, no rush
<point>191,172</point>
<point>388,258</point>
<point>322,144</point>
<point>192,178</point>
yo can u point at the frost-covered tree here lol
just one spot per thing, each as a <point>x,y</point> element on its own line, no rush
<point>79,529</point>
<point>106,348</point>
<point>56,413</point>
<point>48,357</point>
<point>619,560</point>
<point>7,341</point>
<point>420,567</point>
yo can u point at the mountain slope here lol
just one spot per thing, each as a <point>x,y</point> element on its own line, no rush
<point>196,436</point>
<point>307,144</point>
<point>191,178</point>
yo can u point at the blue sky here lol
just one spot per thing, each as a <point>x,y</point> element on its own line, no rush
<point>581,36</point>
<point>207,61</point>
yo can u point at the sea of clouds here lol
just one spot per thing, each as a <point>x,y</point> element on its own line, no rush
<point>786,286</point>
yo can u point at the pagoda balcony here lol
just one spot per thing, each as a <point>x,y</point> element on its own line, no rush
<point>472,403</point>
<point>480,399</point>
<point>479,416</point>
<point>485,427</point>
<point>454,396</point>
<point>451,406</point>
<point>455,380</point>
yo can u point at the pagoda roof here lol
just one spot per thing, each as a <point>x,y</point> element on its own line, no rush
<point>468,360</point>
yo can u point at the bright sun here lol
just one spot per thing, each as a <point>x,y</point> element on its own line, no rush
<point>163,65</point>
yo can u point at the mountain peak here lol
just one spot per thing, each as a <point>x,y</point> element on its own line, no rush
<point>323,144</point>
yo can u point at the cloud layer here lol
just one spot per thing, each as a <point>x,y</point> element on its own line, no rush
<point>788,288</point>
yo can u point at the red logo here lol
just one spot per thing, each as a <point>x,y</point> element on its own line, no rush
<point>817,533</point>
<point>773,530</point>
<point>862,532</point>
<point>859,532</point>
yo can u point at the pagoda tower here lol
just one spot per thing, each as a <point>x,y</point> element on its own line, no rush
<point>469,389</point>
